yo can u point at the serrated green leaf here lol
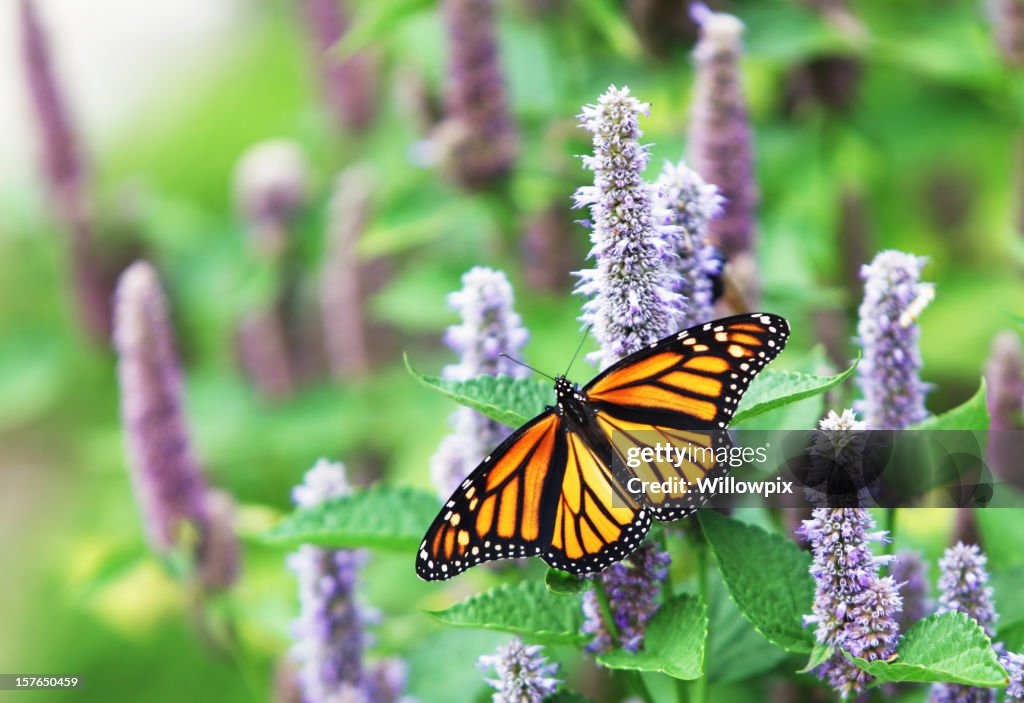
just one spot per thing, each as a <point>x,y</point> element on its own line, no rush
<point>948,647</point>
<point>773,389</point>
<point>735,650</point>
<point>510,401</point>
<point>526,608</point>
<point>971,415</point>
<point>767,576</point>
<point>382,517</point>
<point>819,655</point>
<point>673,643</point>
<point>565,584</point>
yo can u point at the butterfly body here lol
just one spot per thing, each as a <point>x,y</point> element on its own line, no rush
<point>557,487</point>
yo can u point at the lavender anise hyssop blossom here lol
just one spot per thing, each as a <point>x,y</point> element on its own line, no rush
<point>687,205</point>
<point>963,588</point>
<point>1014,665</point>
<point>1004,383</point>
<point>165,470</point>
<point>348,84</point>
<point>910,572</point>
<point>889,374</point>
<point>64,172</point>
<point>524,674</point>
<point>720,140</point>
<point>489,328</point>
<point>478,137</point>
<point>632,587</point>
<point>631,296</point>
<point>855,609</point>
<point>330,630</point>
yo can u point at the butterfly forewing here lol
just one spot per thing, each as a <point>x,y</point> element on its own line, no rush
<point>682,392</point>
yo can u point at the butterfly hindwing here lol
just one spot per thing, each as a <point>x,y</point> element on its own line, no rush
<point>682,391</point>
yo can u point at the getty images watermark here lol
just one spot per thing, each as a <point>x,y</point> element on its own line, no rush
<point>698,461</point>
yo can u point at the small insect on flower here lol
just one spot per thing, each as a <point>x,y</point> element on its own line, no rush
<point>549,490</point>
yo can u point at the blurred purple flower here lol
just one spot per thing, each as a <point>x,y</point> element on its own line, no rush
<point>341,290</point>
<point>349,84</point>
<point>889,374</point>
<point>632,587</point>
<point>64,173</point>
<point>1004,381</point>
<point>720,141</point>
<point>166,474</point>
<point>1007,21</point>
<point>489,327</point>
<point>330,631</point>
<point>219,562</point>
<point>631,292</point>
<point>855,609</point>
<point>524,674</point>
<point>963,588</point>
<point>1014,665</point>
<point>687,206</point>
<point>910,572</point>
<point>271,188</point>
<point>478,137</point>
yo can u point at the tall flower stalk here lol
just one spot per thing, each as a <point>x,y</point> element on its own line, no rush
<point>720,140</point>
<point>855,609</point>
<point>910,572</point>
<point>165,469</point>
<point>489,327</point>
<point>688,205</point>
<point>331,629</point>
<point>341,287</point>
<point>632,588</point>
<point>631,291</point>
<point>523,673</point>
<point>963,588</point>
<point>271,189</point>
<point>65,174</point>
<point>349,84</point>
<point>478,137</point>
<point>889,375</point>
<point>1004,383</point>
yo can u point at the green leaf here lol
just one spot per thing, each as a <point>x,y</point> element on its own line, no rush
<point>819,655</point>
<point>767,576</point>
<point>510,401</point>
<point>526,608</point>
<point>773,389</point>
<point>949,647</point>
<point>735,650</point>
<point>971,415</point>
<point>383,517</point>
<point>673,643</point>
<point>565,584</point>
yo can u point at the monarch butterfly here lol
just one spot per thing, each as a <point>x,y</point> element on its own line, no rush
<point>556,487</point>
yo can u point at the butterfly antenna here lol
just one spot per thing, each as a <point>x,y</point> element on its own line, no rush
<point>525,365</point>
<point>573,360</point>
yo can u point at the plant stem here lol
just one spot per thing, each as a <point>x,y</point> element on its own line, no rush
<point>636,681</point>
<point>890,525</point>
<point>698,688</point>
<point>606,611</point>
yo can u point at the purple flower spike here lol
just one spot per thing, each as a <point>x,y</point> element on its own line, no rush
<point>854,608</point>
<point>271,188</point>
<point>889,374</point>
<point>490,327</point>
<point>1014,665</point>
<point>330,631</point>
<point>478,137</point>
<point>687,205</point>
<point>910,572</point>
<point>631,294</point>
<point>348,85</point>
<point>165,470</point>
<point>963,588</point>
<point>720,141</point>
<point>524,674</point>
<point>1007,20</point>
<point>1004,382</point>
<point>632,587</point>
